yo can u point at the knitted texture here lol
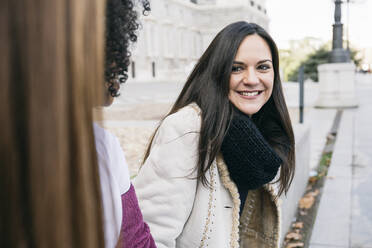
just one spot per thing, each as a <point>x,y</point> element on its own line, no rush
<point>135,233</point>
<point>250,159</point>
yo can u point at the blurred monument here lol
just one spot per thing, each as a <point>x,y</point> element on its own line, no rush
<point>337,78</point>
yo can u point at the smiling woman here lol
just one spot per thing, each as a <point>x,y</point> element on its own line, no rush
<point>209,167</point>
<point>252,75</point>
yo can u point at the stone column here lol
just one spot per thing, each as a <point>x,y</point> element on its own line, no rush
<point>337,86</point>
<point>337,79</point>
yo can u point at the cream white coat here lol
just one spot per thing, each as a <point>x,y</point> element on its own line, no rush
<point>180,211</point>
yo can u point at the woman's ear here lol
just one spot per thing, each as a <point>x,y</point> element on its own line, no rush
<point>108,99</point>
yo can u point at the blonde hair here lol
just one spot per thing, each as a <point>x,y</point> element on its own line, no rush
<point>51,74</point>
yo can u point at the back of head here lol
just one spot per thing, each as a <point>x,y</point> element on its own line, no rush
<point>51,74</point>
<point>122,23</point>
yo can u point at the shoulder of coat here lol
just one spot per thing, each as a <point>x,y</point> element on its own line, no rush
<point>192,110</point>
<point>187,118</point>
<point>195,108</point>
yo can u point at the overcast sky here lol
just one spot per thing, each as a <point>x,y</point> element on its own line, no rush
<point>296,19</point>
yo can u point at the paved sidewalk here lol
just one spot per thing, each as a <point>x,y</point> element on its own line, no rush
<point>361,215</point>
<point>344,216</point>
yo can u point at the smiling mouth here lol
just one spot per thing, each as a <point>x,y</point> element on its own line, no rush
<point>250,93</point>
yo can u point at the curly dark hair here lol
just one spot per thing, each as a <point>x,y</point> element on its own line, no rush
<point>121,30</point>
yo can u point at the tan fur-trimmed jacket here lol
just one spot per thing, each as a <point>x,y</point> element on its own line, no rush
<point>182,212</point>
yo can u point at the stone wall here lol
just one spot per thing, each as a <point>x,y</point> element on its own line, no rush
<point>299,183</point>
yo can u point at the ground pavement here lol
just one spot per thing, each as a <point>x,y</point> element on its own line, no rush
<point>344,216</point>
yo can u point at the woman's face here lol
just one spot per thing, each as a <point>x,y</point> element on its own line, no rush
<point>252,75</point>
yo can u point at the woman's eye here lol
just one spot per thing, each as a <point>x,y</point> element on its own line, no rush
<point>263,67</point>
<point>236,68</point>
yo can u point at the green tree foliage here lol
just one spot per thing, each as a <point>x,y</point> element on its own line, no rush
<point>291,58</point>
<point>356,57</point>
<point>318,57</point>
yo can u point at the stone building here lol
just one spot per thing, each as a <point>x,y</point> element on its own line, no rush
<point>176,33</point>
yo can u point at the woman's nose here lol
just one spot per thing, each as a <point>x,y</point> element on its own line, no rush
<point>250,77</point>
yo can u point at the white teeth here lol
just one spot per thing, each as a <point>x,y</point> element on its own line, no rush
<point>244,93</point>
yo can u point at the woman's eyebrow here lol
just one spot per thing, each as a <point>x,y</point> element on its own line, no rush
<point>259,62</point>
<point>238,63</point>
<point>264,60</point>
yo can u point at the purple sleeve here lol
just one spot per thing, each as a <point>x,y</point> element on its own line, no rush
<point>134,233</point>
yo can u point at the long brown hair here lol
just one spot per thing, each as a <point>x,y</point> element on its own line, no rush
<point>208,87</point>
<point>51,74</point>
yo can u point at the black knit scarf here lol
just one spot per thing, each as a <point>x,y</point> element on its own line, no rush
<point>250,159</point>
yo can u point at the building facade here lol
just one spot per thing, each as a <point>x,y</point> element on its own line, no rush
<point>176,33</point>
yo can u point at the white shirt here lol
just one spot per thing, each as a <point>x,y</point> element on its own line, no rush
<point>115,181</point>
